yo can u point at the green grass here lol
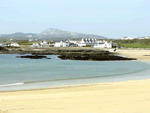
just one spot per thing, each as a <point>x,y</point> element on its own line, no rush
<point>135,45</point>
<point>25,43</point>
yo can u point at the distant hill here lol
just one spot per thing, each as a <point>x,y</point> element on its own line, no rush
<point>51,33</point>
<point>18,35</point>
<point>56,33</point>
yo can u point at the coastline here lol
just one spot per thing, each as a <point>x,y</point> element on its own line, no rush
<point>112,97</point>
<point>129,53</point>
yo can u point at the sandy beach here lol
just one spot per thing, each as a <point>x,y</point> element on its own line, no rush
<point>139,54</point>
<point>115,97</point>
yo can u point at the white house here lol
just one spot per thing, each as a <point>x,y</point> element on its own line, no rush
<point>103,44</point>
<point>82,43</point>
<point>29,36</point>
<point>140,38</point>
<point>71,41</point>
<point>127,38</point>
<point>14,44</point>
<point>44,44</point>
<point>31,40</point>
<point>61,44</point>
<point>1,44</point>
<point>35,45</point>
<point>148,37</point>
<point>85,42</point>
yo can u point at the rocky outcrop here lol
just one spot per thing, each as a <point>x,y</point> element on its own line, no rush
<point>33,57</point>
<point>70,53</point>
<point>94,57</point>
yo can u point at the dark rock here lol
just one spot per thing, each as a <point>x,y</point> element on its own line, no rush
<point>94,57</point>
<point>3,49</point>
<point>33,57</point>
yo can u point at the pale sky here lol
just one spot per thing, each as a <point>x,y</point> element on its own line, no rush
<point>109,18</point>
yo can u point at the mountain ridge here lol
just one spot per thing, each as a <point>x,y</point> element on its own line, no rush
<point>52,33</point>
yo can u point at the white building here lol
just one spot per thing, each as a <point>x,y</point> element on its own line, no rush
<point>103,44</point>
<point>35,39</point>
<point>29,36</point>
<point>71,41</point>
<point>35,45</point>
<point>44,44</point>
<point>148,37</point>
<point>14,44</point>
<point>1,44</point>
<point>30,40</point>
<point>140,38</point>
<point>82,43</point>
<point>61,44</point>
<point>86,42</point>
<point>127,38</point>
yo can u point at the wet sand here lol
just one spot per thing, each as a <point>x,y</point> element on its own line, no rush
<point>114,97</point>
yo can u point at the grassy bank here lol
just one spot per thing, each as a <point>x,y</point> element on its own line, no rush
<point>24,42</point>
<point>135,45</point>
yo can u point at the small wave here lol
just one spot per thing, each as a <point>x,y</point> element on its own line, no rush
<point>137,71</point>
<point>15,84</point>
<point>30,82</point>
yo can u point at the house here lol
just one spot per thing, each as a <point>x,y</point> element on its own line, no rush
<point>61,44</point>
<point>148,37</point>
<point>86,42</point>
<point>14,45</point>
<point>140,38</point>
<point>103,44</point>
<point>44,44</point>
<point>127,38</point>
<point>72,45</point>
<point>29,36</point>
<point>35,39</point>
<point>82,43</point>
<point>114,44</point>
<point>1,45</point>
<point>71,41</point>
<point>35,45</point>
<point>31,40</point>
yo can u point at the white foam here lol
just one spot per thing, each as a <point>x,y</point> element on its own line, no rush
<point>15,84</point>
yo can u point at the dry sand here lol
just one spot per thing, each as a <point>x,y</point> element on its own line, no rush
<point>115,97</point>
<point>139,54</point>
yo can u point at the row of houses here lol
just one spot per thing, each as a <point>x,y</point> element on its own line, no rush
<point>70,43</point>
<point>131,38</point>
<point>12,44</point>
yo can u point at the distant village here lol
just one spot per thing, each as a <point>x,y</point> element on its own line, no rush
<point>68,43</point>
<point>87,42</point>
<point>131,38</point>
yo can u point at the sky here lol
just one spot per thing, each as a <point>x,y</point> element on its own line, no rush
<point>109,18</point>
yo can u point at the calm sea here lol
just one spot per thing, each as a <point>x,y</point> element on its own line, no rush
<point>20,73</point>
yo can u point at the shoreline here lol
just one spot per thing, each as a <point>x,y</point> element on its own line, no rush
<point>113,97</point>
<point>139,54</point>
<point>70,86</point>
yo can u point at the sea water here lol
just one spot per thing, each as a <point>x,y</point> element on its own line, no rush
<point>23,73</point>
